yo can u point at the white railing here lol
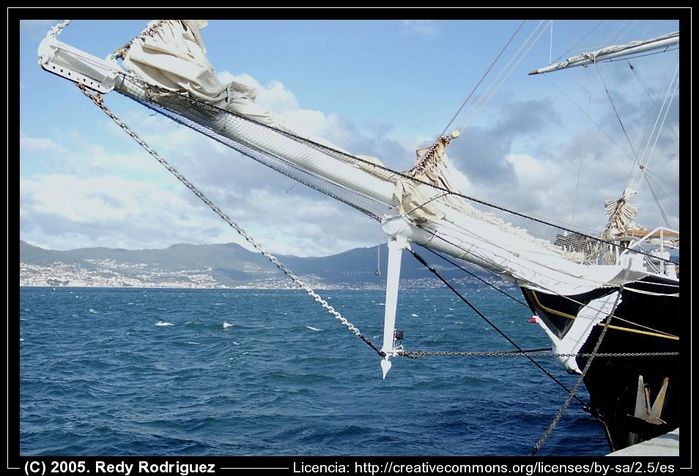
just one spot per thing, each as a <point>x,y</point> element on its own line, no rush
<point>665,236</point>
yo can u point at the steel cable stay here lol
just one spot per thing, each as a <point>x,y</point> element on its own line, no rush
<point>580,40</point>
<point>456,114</point>
<point>474,275</point>
<point>618,116</point>
<point>509,68</point>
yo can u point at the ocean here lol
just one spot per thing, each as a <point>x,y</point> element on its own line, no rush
<point>107,371</point>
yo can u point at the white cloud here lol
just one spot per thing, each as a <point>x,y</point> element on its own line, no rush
<point>422,27</point>
<point>40,144</point>
<point>83,158</point>
<point>285,107</point>
<point>63,212</point>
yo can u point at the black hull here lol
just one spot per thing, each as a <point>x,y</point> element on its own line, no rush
<point>613,382</point>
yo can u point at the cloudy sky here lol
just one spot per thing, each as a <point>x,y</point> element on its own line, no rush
<point>550,146</point>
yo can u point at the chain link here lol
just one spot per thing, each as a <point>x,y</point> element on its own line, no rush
<point>56,30</point>
<point>418,354</point>
<point>97,99</point>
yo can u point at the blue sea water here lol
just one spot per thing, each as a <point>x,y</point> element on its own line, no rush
<point>268,372</point>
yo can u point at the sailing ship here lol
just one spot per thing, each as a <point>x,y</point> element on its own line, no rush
<point>608,303</point>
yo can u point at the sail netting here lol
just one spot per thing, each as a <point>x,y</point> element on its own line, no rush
<point>169,73</point>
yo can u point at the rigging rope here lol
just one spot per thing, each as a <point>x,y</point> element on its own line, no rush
<point>482,316</point>
<point>616,112</point>
<point>647,153</point>
<point>598,125</point>
<point>579,41</point>
<point>509,68</point>
<point>663,185</point>
<point>664,106</point>
<point>617,37</point>
<point>657,201</point>
<point>667,101</point>
<point>56,30</point>
<point>583,150</point>
<point>551,43</point>
<point>474,275</point>
<point>98,100</point>
<point>649,92</point>
<point>512,37</point>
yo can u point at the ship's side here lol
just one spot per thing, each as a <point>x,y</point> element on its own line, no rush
<point>634,381</point>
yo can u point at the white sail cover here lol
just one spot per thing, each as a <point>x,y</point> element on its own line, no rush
<point>171,54</point>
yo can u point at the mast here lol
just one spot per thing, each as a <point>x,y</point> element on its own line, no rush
<point>613,52</point>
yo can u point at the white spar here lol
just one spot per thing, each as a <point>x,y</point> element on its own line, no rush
<point>613,52</point>
<point>397,228</point>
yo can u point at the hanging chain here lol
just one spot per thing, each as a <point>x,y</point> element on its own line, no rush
<point>588,364</point>
<point>418,354</point>
<point>56,30</point>
<point>98,100</point>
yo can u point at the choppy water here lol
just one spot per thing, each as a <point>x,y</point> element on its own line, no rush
<point>224,372</point>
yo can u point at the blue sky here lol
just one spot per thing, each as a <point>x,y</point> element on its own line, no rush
<point>374,87</point>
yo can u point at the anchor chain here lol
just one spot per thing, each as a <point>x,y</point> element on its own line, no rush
<point>98,100</point>
<point>418,354</point>
<point>588,364</point>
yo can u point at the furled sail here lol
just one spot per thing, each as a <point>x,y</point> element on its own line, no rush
<point>171,54</point>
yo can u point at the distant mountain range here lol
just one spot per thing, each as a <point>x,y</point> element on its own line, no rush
<point>221,265</point>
